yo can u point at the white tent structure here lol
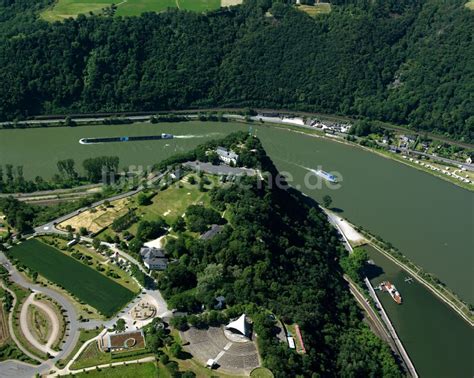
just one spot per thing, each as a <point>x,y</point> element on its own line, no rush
<point>239,326</point>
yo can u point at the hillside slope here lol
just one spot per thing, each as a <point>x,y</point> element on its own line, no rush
<point>409,62</point>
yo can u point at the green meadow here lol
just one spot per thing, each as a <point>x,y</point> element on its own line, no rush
<point>63,9</point>
<point>83,282</point>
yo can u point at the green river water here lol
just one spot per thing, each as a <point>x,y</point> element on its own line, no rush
<point>429,220</point>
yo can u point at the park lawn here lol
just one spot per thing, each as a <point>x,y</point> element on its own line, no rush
<point>84,336</point>
<point>261,372</point>
<point>173,202</point>
<point>92,356</point>
<point>88,285</point>
<point>145,370</point>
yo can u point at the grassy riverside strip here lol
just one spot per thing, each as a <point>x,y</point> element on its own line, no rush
<point>83,282</point>
<point>427,279</point>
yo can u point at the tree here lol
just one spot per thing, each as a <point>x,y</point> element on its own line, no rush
<point>179,322</point>
<point>327,201</point>
<point>143,199</point>
<point>120,325</point>
<point>179,225</point>
<point>96,243</point>
<point>83,231</point>
<point>192,180</point>
<point>176,350</point>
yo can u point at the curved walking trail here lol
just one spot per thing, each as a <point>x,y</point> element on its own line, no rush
<point>46,348</point>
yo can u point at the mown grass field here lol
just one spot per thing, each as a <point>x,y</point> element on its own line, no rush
<point>145,370</point>
<point>83,282</point>
<point>63,9</point>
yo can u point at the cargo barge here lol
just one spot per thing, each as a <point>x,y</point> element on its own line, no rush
<point>125,139</point>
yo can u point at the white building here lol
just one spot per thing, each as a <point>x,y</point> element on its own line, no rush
<point>228,157</point>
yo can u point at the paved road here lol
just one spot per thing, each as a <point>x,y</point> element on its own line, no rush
<point>46,348</point>
<point>41,193</point>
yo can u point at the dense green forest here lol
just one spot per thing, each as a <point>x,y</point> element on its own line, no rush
<point>409,62</point>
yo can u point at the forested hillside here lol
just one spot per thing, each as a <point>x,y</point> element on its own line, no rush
<point>409,62</point>
<point>276,252</point>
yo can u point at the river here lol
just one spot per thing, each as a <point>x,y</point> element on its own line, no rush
<point>428,219</point>
<point>438,343</point>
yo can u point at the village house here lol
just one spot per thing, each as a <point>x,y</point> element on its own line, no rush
<point>154,258</point>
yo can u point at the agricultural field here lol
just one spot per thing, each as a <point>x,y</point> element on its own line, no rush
<point>85,283</point>
<point>63,9</point>
<point>98,218</point>
<point>316,9</point>
<point>94,260</point>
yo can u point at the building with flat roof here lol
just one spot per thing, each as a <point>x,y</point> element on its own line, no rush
<point>227,156</point>
<point>125,340</point>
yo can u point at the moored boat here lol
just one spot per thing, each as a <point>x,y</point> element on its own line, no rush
<point>392,290</point>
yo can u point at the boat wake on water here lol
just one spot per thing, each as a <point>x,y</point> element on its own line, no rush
<point>323,174</point>
<point>196,136</point>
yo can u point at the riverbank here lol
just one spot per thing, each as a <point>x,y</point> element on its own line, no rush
<point>441,291</point>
